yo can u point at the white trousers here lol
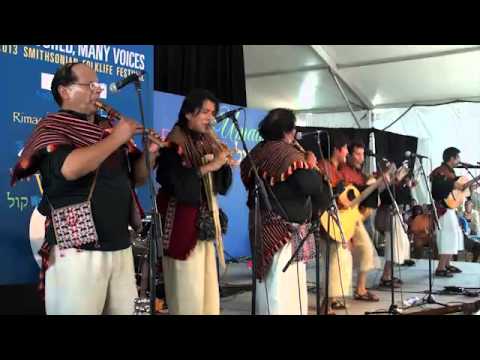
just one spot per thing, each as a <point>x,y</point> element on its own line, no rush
<point>191,286</point>
<point>340,270</point>
<point>450,237</point>
<point>365,257</point>
<point>283,293</point>
<point>90,282</point>
<point>401,243</point>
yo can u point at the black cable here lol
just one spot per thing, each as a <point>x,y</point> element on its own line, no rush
<point>399,267</point>
<point>404,113</point>
<point>420,105</point>
<point>244,120</point>
<point>266,295</point>
<point>232,259</point>
<point>327,238</point>
<point>340,271</point>
<point>299,294</point>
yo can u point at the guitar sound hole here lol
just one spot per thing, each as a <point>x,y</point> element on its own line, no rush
<point>351,195</point>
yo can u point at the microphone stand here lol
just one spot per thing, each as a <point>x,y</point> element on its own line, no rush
<point>333,215</point>
<point>470,173</point>
<point>155,233</point>
<point>393,309</point>
<point>429,299</point>
<point>314,228</point>
<point>260,194</point>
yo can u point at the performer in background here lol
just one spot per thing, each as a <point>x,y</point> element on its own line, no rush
<point>385,219</point>
<point>301,192</point>
<point>340,265</point>
<point>82,157</point>
<point>450,237</point>
<point>189,263</point>
<point>365,256</point>
<point>471,228</point>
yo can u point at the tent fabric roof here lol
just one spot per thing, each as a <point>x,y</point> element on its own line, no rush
<point>372,76</point>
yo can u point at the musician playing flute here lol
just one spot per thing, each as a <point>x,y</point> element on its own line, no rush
<point>189,231</point>
<point>87,265</point>
<point>301,193</point>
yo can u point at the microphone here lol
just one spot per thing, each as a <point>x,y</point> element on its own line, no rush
<point>224,116</point>
<point>409,154</point>
<point>369,152</point>
<point>299,135</point>
<point>467,165</point>
<point>116,86</point>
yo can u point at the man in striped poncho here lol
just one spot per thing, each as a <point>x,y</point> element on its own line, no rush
<point>79,153</point>
<point>301,195</point>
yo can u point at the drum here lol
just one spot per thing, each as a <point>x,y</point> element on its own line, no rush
<point>417,210</point>
<point>421,227</point>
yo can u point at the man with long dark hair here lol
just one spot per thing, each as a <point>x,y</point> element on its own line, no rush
<point>298,197</point>
<point>189,264</point>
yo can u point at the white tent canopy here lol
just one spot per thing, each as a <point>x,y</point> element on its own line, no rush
<point>298,76</point>
<point>380,82</point>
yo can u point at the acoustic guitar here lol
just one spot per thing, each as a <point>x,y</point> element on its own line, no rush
<point>349,200</point>
<point>457,196</point>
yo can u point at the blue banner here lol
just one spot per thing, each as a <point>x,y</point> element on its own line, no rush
<point>166,108</point>
<point>26,72</point>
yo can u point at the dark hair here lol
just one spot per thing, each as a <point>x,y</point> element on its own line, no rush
<point>277,122</point>
<point>64,76</point>
<point>337,141</point>
<point>193,103</point>
<point>355,143</point>
<point>450,152</point>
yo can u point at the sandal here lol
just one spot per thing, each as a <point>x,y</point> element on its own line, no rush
<point>330,311</point>
<point>388,283</point>
<point>368,296</point>
<point>338,305</point>
<point>397,280</point>
<point>408,263</point>
<point>443,273</point>
<point>453,269</point>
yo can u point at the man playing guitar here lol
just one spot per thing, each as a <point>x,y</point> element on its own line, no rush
<point>340,265</point>
<point>365,257</point>
<point>450,236</point>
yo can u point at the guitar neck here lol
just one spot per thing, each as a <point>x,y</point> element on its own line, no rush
<point>369,190</point>
<point>468,184</point>
<point>366,193</point>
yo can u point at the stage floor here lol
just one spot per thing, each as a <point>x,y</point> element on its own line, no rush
<point>415,282</point>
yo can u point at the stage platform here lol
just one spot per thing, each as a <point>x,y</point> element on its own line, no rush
<point>236,286</point>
